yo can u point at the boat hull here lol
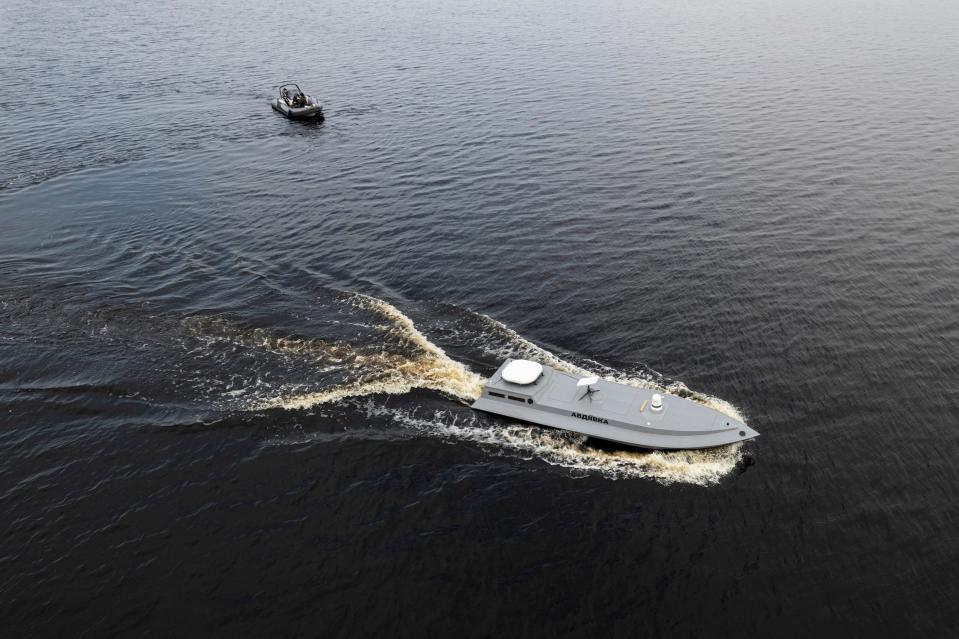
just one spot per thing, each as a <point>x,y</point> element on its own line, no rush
<point>309,112</point>
<point>613,412</point>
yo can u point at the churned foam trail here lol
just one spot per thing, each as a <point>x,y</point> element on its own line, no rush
<point>425,365</point>
<point>568,450</point>
<point>428,366</point>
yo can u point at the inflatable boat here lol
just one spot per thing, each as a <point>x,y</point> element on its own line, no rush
<point>295,104</point>
<point>598,408</point>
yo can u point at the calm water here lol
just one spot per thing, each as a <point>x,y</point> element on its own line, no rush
<point>237,353</point>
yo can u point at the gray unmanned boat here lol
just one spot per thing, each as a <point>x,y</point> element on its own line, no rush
<point>531,392</point>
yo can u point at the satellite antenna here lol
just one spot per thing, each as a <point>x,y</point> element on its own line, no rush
<point>588,383</point>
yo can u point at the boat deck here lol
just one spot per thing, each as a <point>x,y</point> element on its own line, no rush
<point>614,412</point>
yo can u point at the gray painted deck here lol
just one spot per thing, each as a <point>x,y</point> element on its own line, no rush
<point>616,412</point>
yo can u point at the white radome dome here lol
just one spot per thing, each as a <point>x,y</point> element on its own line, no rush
<point>522,371</point>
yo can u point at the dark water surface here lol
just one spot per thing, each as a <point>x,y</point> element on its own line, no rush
<point>236,353</point>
